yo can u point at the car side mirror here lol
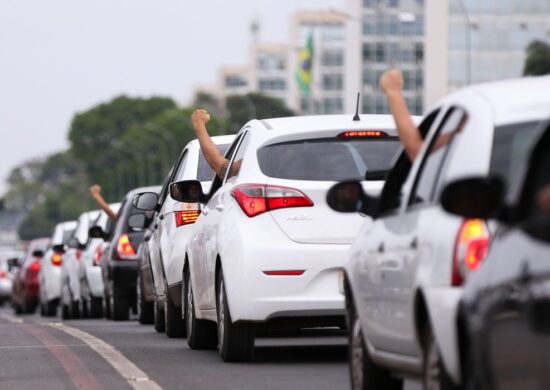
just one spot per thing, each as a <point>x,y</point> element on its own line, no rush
<point>189,191</point>
<point>137,221</point>
<point>96,232</point>
<point>146,201</point>
<point>477,197</point>
<point>13,262</point>
<point>37,253</point>
<point>348,197</point>
<point>59,248</point>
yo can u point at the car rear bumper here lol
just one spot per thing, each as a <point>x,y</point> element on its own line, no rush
<point>254,295</point>
<point>51,283</point>
<point>95,281</point>
<point>5,287</point>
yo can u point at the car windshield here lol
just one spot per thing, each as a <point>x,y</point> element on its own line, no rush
<point>333,159</point>
<point>204,172</point>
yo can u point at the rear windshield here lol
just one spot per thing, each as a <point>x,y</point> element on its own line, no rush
<point>510,144</point>
<point>204,172</point>
<point>67,234</point>
<point>329,159</point>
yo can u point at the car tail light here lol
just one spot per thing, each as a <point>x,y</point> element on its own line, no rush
<point>363,134</point>
<point>472,244</point>
<point>186,217</point>
<point>78,254</point>
<point>124,248</point>
<point>97,255</point>
<point>256,199</point>
<point>56,259</point>
<point>35,267</point>
<point>293,272</point>
<point>3,274</point>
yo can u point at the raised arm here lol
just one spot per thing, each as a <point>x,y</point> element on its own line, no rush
<point>215,159</point>
<point>391,83</point>
<point>95,190</point>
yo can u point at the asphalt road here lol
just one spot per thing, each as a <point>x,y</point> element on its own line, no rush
<point>40,353</point>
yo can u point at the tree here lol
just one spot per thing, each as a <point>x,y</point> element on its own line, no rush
<point>242,108</point>
<point>95,131</point>
<point>537,62</point>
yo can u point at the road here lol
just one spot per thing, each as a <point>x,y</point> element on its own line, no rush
<point>40,353</point>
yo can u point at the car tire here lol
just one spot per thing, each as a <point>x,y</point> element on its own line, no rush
<point>364,373</point>
<point>174,325</point>
<point>51,308</point>
<point>146,310</point>
<point>201,334</point>
<point>107,312</point>
<point>235,341</point>
<point>158,312</point>
<point>75,310</point>
<point>435,375</point>
<point>65,312</point>
<point>85,308</point>
<point>119,306</point>
<point>96,307</point>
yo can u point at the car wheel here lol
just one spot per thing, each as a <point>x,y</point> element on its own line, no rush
<point>119,306</point>
<point>85,308</point>
<point>435,374</point>
<point>65,312</point>
<point>51,308</point>
<point>146,310</point>
<point>107,312</point>
<point>158,311</point>
<point>96,307</point>
<point>201,334</point>
<point>364,373</point>
<point>173,323</point>
<point>235,341</point>
<point>75,309</point>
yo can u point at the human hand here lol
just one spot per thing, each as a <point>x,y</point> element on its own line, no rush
<point>391,81</point>
<point>200,118</point>
<point>95,190</point>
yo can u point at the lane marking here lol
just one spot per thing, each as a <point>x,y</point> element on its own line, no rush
<point>136,378</point>
<point>12,319</point>
<point>42,346</point>
<point>79,374</point>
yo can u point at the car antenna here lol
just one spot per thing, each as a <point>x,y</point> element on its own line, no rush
<point>356,118</point>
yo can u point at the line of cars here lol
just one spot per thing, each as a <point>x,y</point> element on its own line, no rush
<point>431,264</point>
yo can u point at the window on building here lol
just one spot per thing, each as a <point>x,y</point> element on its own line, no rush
<point>381,52</point>
<point>418,52</point>
<point>368,52</point>
<point>235,81</point>
<point>332,58</point>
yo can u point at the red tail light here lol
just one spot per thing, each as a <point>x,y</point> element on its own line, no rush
<point>297,272</point>
<point>97,255</point>
<point>472,244</point>
<point>256,199</point>
<point>56,259</point>
<point>124,248</point>
<point>186,217</point>
<point>3,274</point>
<point>35,267</point>
<point>363,134</point>
<point>78,254</point>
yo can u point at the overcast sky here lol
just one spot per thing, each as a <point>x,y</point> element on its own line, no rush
<point>58,57</point>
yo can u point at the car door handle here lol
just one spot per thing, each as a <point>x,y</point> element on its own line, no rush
<point>156,226</point>
<point>220,207</point>
<point>161,217</point>
<point>381,248</point>
<point>414,243</point>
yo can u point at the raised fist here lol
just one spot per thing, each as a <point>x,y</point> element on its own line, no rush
<point>200,117</point>
<point>391,81</point>
<point>95,189</point>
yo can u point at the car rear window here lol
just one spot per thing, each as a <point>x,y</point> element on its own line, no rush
<point>510,144</point>
<point>204,172</point>
<point>331,159</point>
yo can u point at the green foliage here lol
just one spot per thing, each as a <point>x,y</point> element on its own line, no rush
<point>243,108</point>
<point>537,62</point>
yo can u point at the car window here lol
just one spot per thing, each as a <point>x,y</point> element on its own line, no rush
<point>330,159</point>
<point>217,183</point>
<point>181,167</point>
<point>204,172</point>
<point>434,160</point>
<point>165,185</point>
<point>235,165</point>
<point>390,198</point>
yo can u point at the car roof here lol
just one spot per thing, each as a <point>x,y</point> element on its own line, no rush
<point>512,101</point>
<point>67,225</point>
<point>309,123</point>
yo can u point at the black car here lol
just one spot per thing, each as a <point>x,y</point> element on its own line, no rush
<point>119,262</point>
<point>504,315</point>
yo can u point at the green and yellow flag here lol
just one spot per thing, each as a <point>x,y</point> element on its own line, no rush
<point>303,73</point>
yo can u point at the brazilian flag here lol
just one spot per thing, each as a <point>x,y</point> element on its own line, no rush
<point>303,73</point>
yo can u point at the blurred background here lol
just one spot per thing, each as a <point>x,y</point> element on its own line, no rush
<point>102,91</point>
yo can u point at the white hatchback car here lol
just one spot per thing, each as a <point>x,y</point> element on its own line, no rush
<point>50,268</point>
<point>89,270</point>
<point>70,281</point>
<point>172,227</point>
<point>266,250</point>
<point>404,280</point>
